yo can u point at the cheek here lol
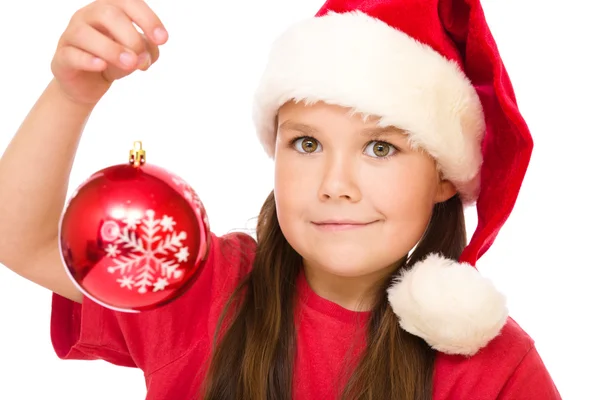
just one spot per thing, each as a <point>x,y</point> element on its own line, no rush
<point>296,178</point>
<point>410,178</point>
<point>405,196</point>
<point>290,189</point>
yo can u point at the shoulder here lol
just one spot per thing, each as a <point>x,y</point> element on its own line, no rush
<point>229,260</point>
<point>231,257</point>
<point>509,367</point>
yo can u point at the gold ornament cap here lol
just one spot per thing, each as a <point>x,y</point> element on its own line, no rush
<point>137,155</point>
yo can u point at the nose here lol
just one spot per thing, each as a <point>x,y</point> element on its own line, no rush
<point>339,180</point>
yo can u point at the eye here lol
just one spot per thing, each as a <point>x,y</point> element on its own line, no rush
<point>306,144</point>
<point>380,149</point>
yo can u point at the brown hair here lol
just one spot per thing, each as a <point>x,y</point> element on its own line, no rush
<point>253,358</point>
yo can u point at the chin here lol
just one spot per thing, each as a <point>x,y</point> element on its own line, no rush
<point>348,263</point>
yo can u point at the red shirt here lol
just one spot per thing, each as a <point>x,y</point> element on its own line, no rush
<point>170,344</point>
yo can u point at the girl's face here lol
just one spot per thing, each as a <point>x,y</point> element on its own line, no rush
<point>352,198</point>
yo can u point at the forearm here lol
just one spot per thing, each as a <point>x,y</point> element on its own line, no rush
<point>34,174</point>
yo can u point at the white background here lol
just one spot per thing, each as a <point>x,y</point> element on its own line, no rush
<point>545,258</point>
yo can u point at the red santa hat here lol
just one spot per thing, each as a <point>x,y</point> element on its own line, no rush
<point>431,68</point>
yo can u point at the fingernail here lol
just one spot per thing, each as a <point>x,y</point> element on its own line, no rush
<point>126,58</point>
<point>160,34</point>
<point>143,60</point>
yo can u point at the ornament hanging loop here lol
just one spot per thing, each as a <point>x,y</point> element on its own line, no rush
<point>137,155</point>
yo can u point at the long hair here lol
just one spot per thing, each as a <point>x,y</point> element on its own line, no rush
<point>254,354</point>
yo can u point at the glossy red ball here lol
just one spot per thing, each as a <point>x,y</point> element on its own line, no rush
<point>134,238</point>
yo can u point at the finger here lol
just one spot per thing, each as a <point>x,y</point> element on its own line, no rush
<point>149,56</point>
<point>111,20</point>
<point>81,60</point>
<point>90,40</point>
<point>153,50</point>
<point>146,19</point>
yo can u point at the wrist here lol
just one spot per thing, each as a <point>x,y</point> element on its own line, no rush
<point>55,89</point>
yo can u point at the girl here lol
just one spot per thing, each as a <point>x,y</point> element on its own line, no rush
<point>384,119</point>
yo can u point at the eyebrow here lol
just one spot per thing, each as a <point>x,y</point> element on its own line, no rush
<point>368,132</point>
<point>296,126</point>
<point>385,130</point>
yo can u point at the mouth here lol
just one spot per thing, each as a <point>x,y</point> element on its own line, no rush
<point>340,225</point>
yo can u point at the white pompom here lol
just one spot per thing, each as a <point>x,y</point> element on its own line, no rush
<point>448,304</point>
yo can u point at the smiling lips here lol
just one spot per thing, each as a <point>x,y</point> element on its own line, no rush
<point>341,225</point>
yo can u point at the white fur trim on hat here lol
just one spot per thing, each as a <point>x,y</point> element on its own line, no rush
<point>448,304</point>
<point>359,62</point>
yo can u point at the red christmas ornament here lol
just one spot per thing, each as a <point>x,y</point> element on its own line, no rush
<point>134,236</point>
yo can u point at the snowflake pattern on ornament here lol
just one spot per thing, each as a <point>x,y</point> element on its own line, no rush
<point>153,258</point>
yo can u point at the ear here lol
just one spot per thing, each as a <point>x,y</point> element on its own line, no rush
<point>445,190</point>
